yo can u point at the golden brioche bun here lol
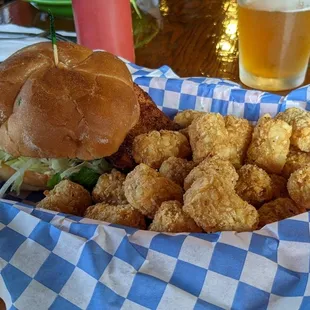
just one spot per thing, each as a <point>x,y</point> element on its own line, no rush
<point>83,108</point>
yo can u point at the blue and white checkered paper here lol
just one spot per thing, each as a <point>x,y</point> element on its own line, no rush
<point>56,261</point>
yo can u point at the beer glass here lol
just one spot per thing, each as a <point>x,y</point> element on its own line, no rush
<point>274,43</point>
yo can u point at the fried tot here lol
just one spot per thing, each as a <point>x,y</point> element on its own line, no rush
<point>240,135</point>
<point>300,121</point>
<point>279,186</point>
<point>278,210</point>
<point>254,185</point>
<point>214,206</point>
<point>209,137</point>
<point>295,160</point>
<point>210,167</point>
<point>171,218</point>
<point>146,189</point>
<point>270,144</point>
<point>66,197</point>
<point>109,189</point>
<point>155,147</point>
<point>186,117</point>
<point>176,169</point>
<point>124,215</point>
<point>298,186</point>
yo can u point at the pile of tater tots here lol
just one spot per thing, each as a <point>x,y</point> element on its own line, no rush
<point>217,173</point>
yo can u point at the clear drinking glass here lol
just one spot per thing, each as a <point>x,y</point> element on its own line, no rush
<point>274,43</point>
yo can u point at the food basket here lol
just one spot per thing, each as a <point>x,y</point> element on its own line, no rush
<point>51,260</point>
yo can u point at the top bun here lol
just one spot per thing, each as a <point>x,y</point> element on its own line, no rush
<point>82,109</point>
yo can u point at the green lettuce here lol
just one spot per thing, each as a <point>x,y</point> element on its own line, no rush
<point>54,180</point>
<point>85,173</point>
<point>87,177</point>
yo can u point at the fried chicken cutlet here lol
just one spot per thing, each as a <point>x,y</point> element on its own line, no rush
<point>151,118</point>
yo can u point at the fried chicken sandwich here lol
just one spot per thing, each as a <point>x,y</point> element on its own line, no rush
<point>73,120</point>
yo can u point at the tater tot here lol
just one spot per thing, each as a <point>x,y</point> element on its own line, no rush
<point>216,207</point>
<point>295,160</point>
<point>270,144</point>
<point>171,218</point>
<point>300,122</point>
<point>122,215</point>
<point>146,189</point>
<point>155,147</point>
<point>109,188</point>
<point>186,117</point>
<point>298,186</point>
<point>209,137</point>
<point>254,185</point>
<point>278,210</point>
<point>210,167</point>
<point>240,135</point>
<point>176,169</point>
<point>66,197</point>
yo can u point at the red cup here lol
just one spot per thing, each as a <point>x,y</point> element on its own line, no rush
<point>105,24</point>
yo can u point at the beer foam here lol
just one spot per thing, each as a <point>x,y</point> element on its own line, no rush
<point>277,5</point>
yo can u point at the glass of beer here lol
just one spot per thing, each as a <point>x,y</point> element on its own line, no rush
<point>274,43</point>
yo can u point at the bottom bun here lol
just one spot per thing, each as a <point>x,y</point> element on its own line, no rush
<point>33,181</point>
